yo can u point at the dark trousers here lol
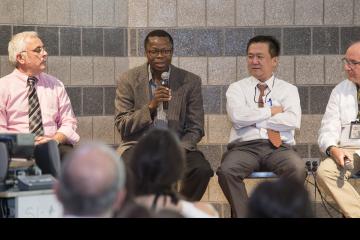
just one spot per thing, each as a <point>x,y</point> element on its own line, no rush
<point>196,176</point>
<point>243,158</point>
<point>49,155</point>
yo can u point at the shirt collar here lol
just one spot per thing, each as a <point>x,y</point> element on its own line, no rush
<point>150,74</point>
<point>22,76</point>
<point>269,82</point>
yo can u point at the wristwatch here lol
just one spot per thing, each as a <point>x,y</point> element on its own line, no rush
<point>328,150</point>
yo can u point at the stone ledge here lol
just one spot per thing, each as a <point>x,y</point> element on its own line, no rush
<point>217,199</point>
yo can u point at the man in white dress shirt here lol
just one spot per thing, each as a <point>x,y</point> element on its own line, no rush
<point>264,111</point>
<point>339,137</point>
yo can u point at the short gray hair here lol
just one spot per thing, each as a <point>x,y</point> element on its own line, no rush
<point>17,44</point>
<point>83,204</point>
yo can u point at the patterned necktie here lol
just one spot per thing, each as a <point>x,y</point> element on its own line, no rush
<point>274,136</point>
<point>160,120</point>
<point>35,121</point>
<point>358,100</point>
<point>262,88</point>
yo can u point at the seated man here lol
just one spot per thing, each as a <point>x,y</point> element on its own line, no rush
<point>339,137</point>
<point>32,101</point>
<point>160,95</point>
<point>264,111</point>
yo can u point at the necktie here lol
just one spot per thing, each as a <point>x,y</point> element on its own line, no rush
<point>35,121</point>
<point>274,136</point>
<point>262,88</point>
<point>358,99</point>
<point>160,120</point>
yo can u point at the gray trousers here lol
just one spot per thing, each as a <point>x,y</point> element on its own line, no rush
<point>243,158</point>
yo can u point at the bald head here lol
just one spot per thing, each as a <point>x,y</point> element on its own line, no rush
<point>90,179</point>
<point>352,60</point>
<point>92,169</point>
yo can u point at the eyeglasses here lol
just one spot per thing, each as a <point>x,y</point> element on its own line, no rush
<point>350,63</point>
<point>36,50</point>
<point>156,52</point>
<point>252,57</point>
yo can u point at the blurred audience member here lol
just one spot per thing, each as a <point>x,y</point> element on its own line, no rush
<point>158,164</point>
<point>92,182</point>
<point>284,198</point>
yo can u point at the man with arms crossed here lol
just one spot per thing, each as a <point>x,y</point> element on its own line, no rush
<point>264,112</point>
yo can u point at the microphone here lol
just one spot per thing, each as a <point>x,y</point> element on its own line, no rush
<point>348,165</point>
<point>165,82</point>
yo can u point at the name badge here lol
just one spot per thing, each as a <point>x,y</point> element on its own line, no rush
<point>355,130</point>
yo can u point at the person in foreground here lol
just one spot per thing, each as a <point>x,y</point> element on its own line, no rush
<point>32,101</point>
<point>160,95</point>
<point>157,164</point>
<point>264,111</point>
<point>339,137</point>
<point>92,182</point>
<point>283,198</point>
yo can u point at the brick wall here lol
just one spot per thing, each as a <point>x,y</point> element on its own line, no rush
<point>91,42</point>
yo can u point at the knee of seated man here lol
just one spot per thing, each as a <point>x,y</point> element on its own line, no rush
<point>228,170</point>
<point>297,171</point>
<point>205,170</point>
<point>324,171</point>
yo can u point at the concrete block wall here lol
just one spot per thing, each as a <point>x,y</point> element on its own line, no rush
<point>91,42</point>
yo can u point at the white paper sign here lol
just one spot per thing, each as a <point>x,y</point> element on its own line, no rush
<point>40,206</point>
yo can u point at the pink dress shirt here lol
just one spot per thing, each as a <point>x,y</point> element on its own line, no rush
<point>56,111</point>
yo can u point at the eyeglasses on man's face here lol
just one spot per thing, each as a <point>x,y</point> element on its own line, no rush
<point>350,63</point>
<point>36,50</point>
<point>156,52</point>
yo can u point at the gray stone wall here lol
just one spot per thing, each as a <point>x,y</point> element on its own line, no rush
<point>91,42</point>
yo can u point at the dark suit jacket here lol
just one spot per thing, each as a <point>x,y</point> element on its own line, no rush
<point>185,112</point>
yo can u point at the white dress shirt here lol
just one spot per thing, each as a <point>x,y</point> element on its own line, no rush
<point>341,110</point>
<point>249,122</point>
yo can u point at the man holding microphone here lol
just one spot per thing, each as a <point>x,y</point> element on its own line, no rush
<point>160,95</point>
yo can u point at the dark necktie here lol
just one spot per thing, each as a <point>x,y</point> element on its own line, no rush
<point>274,136</point>
<point>35,121</point>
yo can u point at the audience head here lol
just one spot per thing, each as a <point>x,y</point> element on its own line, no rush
<point>92,181</point>
<point>157,162</point>
<point>158,50</point>
<point>262,56</point>
<point>27,53</point>
<point>283,198</point>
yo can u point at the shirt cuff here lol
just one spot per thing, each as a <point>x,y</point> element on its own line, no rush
<point>71,135</point>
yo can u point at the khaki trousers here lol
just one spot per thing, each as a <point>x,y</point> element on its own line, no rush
<point>334,179</point>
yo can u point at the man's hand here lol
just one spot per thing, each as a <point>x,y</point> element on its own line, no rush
<point>162,94</point>
<point>58,137</point>
<point>338,155</point>
<point>276,110</point>
<point>42,139</point>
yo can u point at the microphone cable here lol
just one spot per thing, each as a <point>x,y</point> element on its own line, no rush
<point>324,202</point>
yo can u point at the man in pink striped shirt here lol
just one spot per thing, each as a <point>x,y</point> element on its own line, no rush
<point>28,55</point>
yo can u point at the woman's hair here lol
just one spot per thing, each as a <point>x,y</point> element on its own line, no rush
<point>157,163</point>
